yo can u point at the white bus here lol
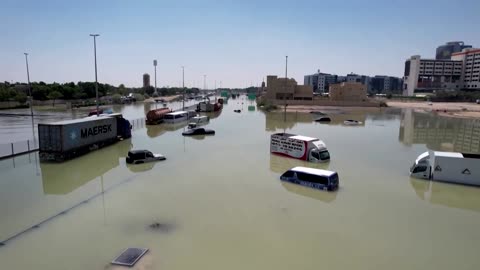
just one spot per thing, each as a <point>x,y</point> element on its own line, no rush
<point>314,178</point>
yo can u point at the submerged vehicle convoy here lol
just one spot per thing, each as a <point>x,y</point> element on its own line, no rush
<point>299,147</point>
<point>64,140</point>
<point>448,167</point>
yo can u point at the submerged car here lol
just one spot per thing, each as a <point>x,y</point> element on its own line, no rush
<point>142,156</point>
<point>351,122</point>
<point>198,131</point>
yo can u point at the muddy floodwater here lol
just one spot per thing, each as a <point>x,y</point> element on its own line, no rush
<point>217,201</point>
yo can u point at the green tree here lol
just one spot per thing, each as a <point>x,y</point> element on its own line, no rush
<point>21,98</point>
<point>149,90</point>
<point>54,95</point>
<point>117,99</point>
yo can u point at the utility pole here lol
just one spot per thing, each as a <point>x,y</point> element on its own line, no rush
<point>204,82</point>
<point>183,85</point>
<point>29,86</point>
<point>96,79</point>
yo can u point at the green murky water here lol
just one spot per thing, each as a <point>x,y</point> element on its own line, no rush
<point>222,206</point>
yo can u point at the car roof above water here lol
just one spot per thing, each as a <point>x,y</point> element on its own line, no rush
<point>135,152</point>
<point>313,171</point>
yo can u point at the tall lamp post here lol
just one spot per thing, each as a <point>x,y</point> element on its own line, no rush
<point>155,67</point>
<point>183,86</point>
<point>29,85</point>
<point>284,94</point>
<point>96,80</point>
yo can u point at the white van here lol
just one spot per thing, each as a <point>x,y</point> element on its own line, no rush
<point>314,178</point>
<point>176,117</point>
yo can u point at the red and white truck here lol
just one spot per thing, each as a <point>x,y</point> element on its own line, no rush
<point>299,147</point>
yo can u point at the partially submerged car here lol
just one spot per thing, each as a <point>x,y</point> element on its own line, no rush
<point>198,131</point>
<point>142,156</point>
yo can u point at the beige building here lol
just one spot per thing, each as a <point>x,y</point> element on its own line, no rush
<point>287,89</point>
<point>348,91</point>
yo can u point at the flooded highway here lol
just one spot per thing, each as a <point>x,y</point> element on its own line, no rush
<point>217,201</point>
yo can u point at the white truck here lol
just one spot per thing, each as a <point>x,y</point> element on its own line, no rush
<point>448,167</point>
<point>299,147</point>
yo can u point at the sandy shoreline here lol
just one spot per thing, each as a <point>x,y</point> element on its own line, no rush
<point>450,109</point>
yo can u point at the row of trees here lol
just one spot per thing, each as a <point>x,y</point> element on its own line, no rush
<point>80,90</point>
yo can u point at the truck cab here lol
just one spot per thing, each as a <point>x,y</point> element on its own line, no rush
<point>319,153</point>
<point>421,167</point>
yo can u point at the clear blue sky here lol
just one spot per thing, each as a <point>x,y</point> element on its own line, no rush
<point>236,42</point>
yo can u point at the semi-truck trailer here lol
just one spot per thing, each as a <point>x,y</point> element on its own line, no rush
<point>448,167</point>
<point>64,140</point>
<point>299,147</point>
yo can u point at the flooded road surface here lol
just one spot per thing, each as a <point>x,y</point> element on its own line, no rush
<point>217,201</point>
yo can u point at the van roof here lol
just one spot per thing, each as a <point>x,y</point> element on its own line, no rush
<point>313,171</point>
<point>448,154</point>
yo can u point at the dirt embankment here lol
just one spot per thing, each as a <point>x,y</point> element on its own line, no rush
<point>451,109</point>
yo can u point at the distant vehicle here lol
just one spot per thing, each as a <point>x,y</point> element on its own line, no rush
<point>100,111</point>
<point>64,140</point>
<point>237,111</point>
<point>448,167</point>
<point>314,178</point>
<point>323,119</point>
<point>478,101</point>
<point>155,117</point>
<point>198,120</point>
<point>299,147</point>
<point>198,131</point>
<point>142,156</point>
<point>179,116</point>
<point>317,112</point>
<point>351,122</point>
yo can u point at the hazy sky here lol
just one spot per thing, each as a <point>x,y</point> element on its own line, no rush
<point>235,42</point>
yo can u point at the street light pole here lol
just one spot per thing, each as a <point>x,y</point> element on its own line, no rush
<point>284,94</point>
<point>155,66</point>
<point>204,82</point>
<point>29,85</point>
<point>183,86</point>
<point>96,79</point>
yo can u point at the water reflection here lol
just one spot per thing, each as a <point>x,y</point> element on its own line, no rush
<point>277,120</point>
<point>320,195</point>
<point>63,178</point>
<point>450,195</point>
<point>440,133</point>
<point>137,168</point>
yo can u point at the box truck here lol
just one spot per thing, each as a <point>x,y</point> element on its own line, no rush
<point>448,167</point>
<point>64,140</point>
<point>299,147</point>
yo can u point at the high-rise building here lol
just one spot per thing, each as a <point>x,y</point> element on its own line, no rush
<point>427,75</point>
<point>471,67</point>
<point>445,51</point>
<point>146,80</point>
<point>386,84</point>
<point>320,81</point>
